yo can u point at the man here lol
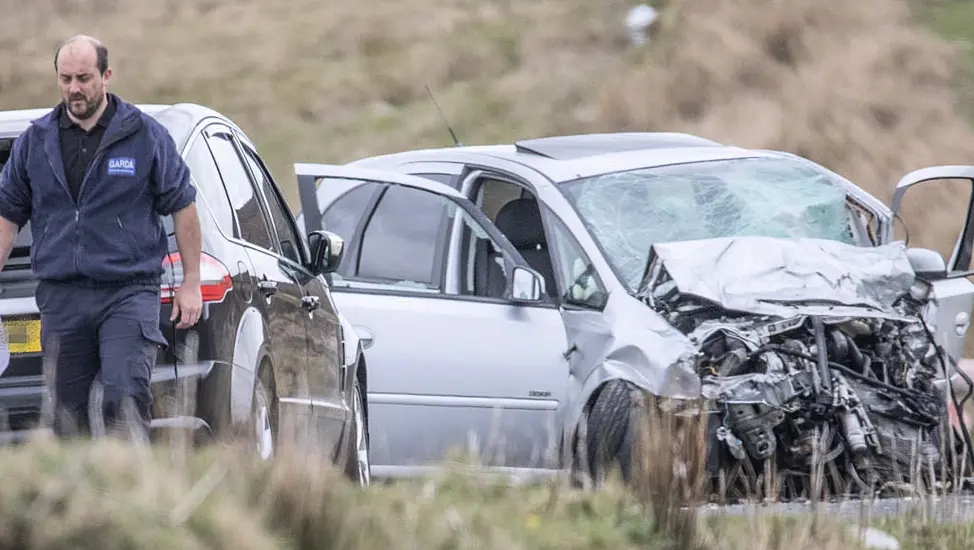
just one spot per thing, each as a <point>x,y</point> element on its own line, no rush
<point>94,178</point>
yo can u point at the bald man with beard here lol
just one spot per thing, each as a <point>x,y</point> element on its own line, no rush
<point>94,178</point>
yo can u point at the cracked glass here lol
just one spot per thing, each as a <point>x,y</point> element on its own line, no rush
<point>627,212</point>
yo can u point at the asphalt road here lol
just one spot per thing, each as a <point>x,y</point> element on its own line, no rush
<point>953,508</point>
<point>946,508</point>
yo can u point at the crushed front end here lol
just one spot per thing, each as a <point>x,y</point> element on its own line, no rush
<point>820,381</point>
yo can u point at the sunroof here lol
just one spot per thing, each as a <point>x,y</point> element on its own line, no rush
<point>585,145</point>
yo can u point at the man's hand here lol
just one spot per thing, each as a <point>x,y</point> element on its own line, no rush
<point>188,301</point>
<point>8,235</point>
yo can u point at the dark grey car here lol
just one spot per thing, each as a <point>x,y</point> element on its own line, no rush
<point>270,351</point>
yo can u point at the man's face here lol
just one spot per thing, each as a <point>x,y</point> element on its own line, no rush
<point>82,85</point>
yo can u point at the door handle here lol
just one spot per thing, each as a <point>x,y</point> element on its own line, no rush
<point>269,288</point>
<point>309,303</point>
<point>568,352</point>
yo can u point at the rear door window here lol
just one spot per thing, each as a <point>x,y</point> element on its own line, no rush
<point>344,215</point>
<point>207,177</point>
<point>404,241</point>
<point>253,224</point>
<point>287,237</point>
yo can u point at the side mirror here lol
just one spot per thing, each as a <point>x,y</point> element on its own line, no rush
<point>527,285</point>
<point>327,250</point>
<point>927,263</point>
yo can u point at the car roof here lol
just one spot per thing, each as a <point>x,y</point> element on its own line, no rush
<point>586,145</point>
<point>564,158</point>
<point>179,118</point>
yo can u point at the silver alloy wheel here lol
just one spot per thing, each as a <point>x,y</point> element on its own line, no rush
<point>361,439</point>
<point>263,431</point>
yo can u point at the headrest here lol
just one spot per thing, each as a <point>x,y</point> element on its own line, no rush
<point>520,221</point>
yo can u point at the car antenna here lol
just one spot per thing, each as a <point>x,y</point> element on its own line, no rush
<point>445,121</point>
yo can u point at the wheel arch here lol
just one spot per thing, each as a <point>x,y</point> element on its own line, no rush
<point>362,373</point>
<point>251,350</point>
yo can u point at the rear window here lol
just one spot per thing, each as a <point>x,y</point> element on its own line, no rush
<point>23,238</point>
<point>4,151</point>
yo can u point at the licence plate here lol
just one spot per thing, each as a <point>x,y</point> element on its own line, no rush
<point>23,336</point>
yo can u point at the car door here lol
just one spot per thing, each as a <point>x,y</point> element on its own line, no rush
<point>574,285</point>
<point>953,292</point>
<point>324,352</point>
<point>582,296</point>
<point>452,363</point>
<point>279,293</point>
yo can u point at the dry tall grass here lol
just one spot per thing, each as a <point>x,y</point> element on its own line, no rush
<point>328,82</point>
<point>857,86</point>
<point>113,495</point>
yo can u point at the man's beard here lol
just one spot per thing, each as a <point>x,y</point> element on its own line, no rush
<point>89,109</point>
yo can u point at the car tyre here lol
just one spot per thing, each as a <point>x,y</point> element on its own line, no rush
<point>611,430</point>
<point>358,466</point>
<point>262,424</point>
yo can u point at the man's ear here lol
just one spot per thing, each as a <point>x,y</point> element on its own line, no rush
<point>107,76</point>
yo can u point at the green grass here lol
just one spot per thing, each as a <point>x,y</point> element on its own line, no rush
<point>954,21</point>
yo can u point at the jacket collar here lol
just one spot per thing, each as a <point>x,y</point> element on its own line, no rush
<point>127,121</point>
<point>125,115</point>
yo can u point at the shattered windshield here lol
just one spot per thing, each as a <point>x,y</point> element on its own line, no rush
<point>627,212</point>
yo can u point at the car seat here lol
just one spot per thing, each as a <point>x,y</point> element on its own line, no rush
<point>520,221</point>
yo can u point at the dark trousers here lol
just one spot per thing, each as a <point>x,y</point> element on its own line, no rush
<point>100,345</point>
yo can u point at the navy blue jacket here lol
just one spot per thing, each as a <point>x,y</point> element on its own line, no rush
<point>115,230</point>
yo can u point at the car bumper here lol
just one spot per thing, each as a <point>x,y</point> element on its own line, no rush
<point>22,401</point>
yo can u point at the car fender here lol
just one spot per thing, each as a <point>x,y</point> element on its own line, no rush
<point>621,367</point>
<point>351,342</point>
<point>248,351</point>
<point>354,356</point>
<point>631,342</point>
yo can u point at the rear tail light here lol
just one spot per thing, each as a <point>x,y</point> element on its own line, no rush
<point>215,280</point>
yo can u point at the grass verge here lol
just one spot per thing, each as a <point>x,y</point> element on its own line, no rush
<point>56,496</point>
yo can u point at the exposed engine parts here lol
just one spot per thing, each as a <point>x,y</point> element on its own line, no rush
<point>852,398</point>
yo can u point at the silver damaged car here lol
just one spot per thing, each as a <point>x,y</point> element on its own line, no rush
<point>510,295</point>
